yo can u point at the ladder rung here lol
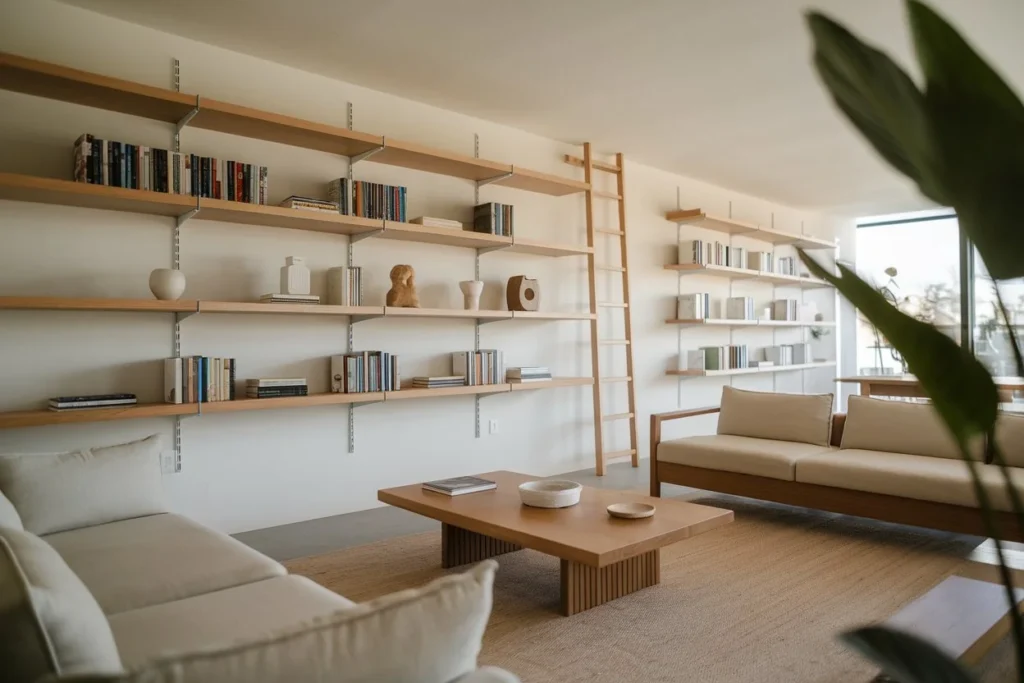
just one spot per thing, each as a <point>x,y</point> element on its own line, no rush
<point>612,269</point>
<point>607,195</point>
<point>609,231</point>
<point>599,165</point>
<point>617,416</point>
<point>612,304</point>
<point>613,342</point>
<point>609,380</point>
<point>611,455</point>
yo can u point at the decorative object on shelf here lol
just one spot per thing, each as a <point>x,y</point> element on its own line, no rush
<point>471,291</point>
<point>295,276</point>
<point>403,288</point>
<point>167,284</point>
<point>345,286</point>
<point>431,222</point>
<point>522,294</point>
<point>550,494</point>
<point>819,332</point>
<point>631,510</point>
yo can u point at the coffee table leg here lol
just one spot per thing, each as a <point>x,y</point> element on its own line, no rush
<point>584,586</point>
<point>459,546</point>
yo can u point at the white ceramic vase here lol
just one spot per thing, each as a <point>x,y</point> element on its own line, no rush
<point>471,290</point>
<point>167,284</point>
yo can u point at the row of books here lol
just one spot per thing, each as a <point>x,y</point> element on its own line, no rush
<point>493,218</point>
<point>309,204</point>
<point>198,379</point>
<point>740,308</point>
<point>786,309</point>
<point>486,366</point>
<point>363,371</point>
<point>730,357</point>
<point>787,265</point>
<point>529,373</point>
<point>368,200</point>
<point>698,306</point>
<point>345,286</point>
<point>712,253</point>
<point>789,354</point>
<point>62,403</point>
<point>276,387</point>
<point>694,306</point>
<point>138,167</point>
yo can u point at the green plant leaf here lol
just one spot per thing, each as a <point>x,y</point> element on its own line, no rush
<point>905,657</point>
<point>879,98</point>
<point>958,384</point>
<point>977,126</point>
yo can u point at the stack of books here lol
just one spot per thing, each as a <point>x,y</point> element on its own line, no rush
<point>309,204</point>
<point>198,379</point>
<point>369,200</point>
<point>458,486</point>
<point>479,367</point>
<point>704,253</point>
<point>438,382</point>
<point>493,219</point>
<point>345,286</point>
<point>137,167</point>
<point>693,306</point>
<point>290,298</point>
<point>431,222</point>
<point>62,403</point>
<point>363,371</point>
<point>785,309</point>
<point>276,387</point>
<point>531,373</point>
<point>739,308</point>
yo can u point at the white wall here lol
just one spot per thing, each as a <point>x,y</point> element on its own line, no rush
<point>252,470</point>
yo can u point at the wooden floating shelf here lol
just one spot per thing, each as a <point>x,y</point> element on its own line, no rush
<point>524,246</point>
<point>57,82</point>
<point>396,312</point>
<point>410,392</point>
<point>69,193</point>
<point>545,315</point>
<point>747,273</point>
<point>56,303</point>
<point>552,383</point>
<point>410,232</point>
<point>37,418</point>
<point>750,371</point>
<point>280,217</point>
<point>719,322</point>
<point>260,308</point>
<point>698,218</point>
<point>243,404</point>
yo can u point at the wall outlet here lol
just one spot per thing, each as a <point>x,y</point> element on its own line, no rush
<point>492,426</point>
<point>167,462</point>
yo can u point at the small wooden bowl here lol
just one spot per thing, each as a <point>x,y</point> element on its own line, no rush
<point>631,510</point>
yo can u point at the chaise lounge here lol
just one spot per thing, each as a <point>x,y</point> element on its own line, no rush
<point>885,460</point>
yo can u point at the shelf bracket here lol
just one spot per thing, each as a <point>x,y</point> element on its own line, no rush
<point>183,315</point>
<point>359,237</point>
<point>487,250</point>
<point>363,156</point>
<point>186,118</point>
<point>185,217</point>
<point>488,181</point>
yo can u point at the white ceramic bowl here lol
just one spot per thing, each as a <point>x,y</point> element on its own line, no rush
<point>550,494</point>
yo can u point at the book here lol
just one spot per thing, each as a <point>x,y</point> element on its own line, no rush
<point>437,222</point>
<point>437,382</point>
<point>276,392</point>
<point>344,286</point>
<point>365,371</point>
<point>458,486</point>
<point>276,382</point>
<point>494,219</point>
<point>172,381</point>
<point>524,380</point>
<point>693,306</point>
<point>536,371</point>
<point>482,367</point>
<point>290,298</point>
<point>739,308</point>
<point>96,401</point>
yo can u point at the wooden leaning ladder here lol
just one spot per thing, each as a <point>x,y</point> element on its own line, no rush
<point>598,309</point>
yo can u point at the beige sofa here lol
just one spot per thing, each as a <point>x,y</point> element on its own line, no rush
<point>887,460</point>
<point>98,578</point>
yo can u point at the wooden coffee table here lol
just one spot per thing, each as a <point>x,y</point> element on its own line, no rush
<point>602,558</point>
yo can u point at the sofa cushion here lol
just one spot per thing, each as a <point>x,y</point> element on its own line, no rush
<point>59,491</point>
<point>50,622</point>
<point>940,480</point>
<point>152,560</point>
<point>249,612</point>
<point>802,418</point>
<point>874,424</point>
<point>1009,438</point>
<point>759,457</point>
<point>8,515</point>
<point>429,635</point>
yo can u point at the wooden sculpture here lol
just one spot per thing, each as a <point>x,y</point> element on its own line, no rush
<point>522,294</point>
<point>403,288</point>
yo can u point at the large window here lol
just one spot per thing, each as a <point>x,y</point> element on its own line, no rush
<point>991,336</point>
<point>914,261</point>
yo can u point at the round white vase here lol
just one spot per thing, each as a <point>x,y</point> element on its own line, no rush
<point>471,290</point>
<point>167,284</point>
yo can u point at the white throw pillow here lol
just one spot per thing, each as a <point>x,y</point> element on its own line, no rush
<point>62,491</point>
<point>8,514</point>
<point>428,635</point>
<point>50,622</point>
<point>803,418</point>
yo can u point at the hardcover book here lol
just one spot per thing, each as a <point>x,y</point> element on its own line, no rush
<point>458,486</point>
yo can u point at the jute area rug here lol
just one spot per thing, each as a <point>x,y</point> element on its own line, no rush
<point>758,600</point>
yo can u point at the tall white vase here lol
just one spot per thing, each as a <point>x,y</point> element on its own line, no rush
<point>471,290</point>
<point>167,284</point>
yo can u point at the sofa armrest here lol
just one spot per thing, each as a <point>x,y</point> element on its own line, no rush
<point>488,674</point>
<point>656,420</point>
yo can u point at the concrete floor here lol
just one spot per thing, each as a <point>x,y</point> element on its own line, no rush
<point>318,536</point>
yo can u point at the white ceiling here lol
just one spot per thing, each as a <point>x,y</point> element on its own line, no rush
<point>720,90</point>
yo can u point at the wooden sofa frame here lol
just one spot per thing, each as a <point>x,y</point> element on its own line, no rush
<point>943,516</point>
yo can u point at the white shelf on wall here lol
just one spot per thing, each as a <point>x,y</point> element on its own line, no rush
<point>751,371</point>
<point>721,322</point>
<point>697,218</point>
